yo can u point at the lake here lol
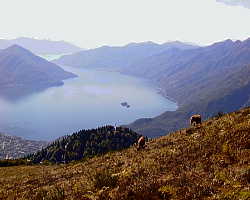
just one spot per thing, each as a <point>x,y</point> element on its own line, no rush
<point>91,100</point>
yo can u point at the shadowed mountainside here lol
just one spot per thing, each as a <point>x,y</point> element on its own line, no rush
<point>22,72</point>
<point>207,80</point>
<point>229,94</point>
<point>184,72</point>
<point>206,162</point>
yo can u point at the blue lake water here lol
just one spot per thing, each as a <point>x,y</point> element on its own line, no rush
<point>91,100</point>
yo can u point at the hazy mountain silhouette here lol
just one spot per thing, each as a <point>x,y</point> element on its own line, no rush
<point>41,46</point>
<point>22,72</point>
<point>118,57</point>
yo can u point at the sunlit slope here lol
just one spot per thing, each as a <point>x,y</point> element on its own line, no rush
<point>207,162</point>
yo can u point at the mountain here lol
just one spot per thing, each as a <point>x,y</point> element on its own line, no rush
<point>86,143</point>
<point>206,162</point>
<point>179,45</point>
<point>41,46</point>
<point>16,147</point>
<point>117,57</point>
<point>206,80</point>
<point>22,72</point>
<point>180,72</point>
<point>203,80</point>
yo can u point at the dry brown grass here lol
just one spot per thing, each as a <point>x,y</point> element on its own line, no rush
<point>208,162</point>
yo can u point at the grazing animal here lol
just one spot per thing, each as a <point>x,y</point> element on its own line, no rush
<point>195,120</point>
<point>141,143</point>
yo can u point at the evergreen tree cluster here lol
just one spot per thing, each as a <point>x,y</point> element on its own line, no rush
<point>13,162</point>
<point>86,143</point>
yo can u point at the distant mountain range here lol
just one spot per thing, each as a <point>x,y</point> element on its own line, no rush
<point>41,46</point>
<point>118,57</point>
<point>202,80</point>
<point>181,72</point>
<point>16,147</point>
<point>22,72</point>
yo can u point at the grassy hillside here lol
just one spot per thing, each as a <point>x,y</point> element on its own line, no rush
<point>207,162</point>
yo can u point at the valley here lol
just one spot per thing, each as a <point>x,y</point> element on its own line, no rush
<point>81,103</point>
<point>175,69</point>
<point>206,80</point>
<point>125,100</point>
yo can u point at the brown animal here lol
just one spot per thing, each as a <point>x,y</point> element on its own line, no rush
<point>195,120</point>
<point>141,143</point>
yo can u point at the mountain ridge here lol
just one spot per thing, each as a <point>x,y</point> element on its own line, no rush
<point>207,80</point>
<point>117,56</point>
<point>38,46</point>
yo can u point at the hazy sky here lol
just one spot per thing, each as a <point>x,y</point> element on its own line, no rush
<point>245,3</point>
<point>91,23</point>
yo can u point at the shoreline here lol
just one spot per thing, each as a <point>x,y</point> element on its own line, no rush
<point>155,85</point>
<point>163,93</point>
<point>159,102</point>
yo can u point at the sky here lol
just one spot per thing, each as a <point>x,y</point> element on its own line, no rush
<point>244,3</point>
<point>93,23</point>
